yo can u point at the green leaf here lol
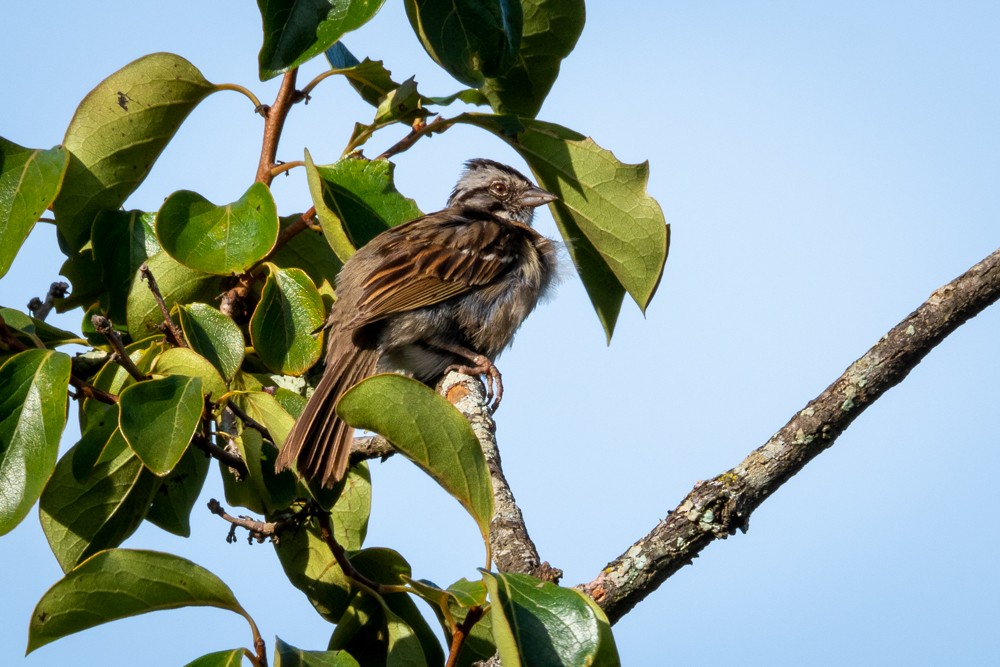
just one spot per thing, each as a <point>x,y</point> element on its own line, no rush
<point>349,515</point>
<point>119,583</point>
<point>37,333</point>
<point>172,505</point>
<point>214,336</point>
<point>84,274</point>
<point>266,409</point>
<point>551,28</point>
<point>295,32</point>
<point>310,252</point>
<point>118,131</point>
<point>223,239</point>
<point>281,327</point>
<point>539,623</point>
<point>122,241</point>
<point>29,181</point>
<point>177,283</point>
<point>186,362</point>
<point>231,658</point>
<point>265,491</point>
<point>470,39</point>
<point>32,418</point>
<point>356,200</point>
<point>370,78</point>
<point>159,418</point>
<point>402,105</point>
<point>614,230</point>
<point>82,517</point>
<point>429,431</point>
<point>286,655</point>
<point>311,568</point>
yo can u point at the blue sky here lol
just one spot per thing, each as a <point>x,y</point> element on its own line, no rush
<point>824,167</point>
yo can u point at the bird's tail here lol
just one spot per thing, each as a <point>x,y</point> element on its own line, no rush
<point>320,441</point>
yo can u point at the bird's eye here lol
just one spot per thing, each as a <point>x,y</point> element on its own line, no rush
<point>499,188</point>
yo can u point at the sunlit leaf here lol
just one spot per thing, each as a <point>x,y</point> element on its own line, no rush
<point>429,431</point>
<point>119,583</point>
<point>214,336</point>
<point>286,655</point>
<point>290,309</point>
<point>224,239</point>
<point>177,495</point>
<point>116,134</point>
<point>32,418</point>
<point>231,658</point>
<point>159,418</point>
<point>186,362</point>
<point>29,181</point>
<point>295,32</point>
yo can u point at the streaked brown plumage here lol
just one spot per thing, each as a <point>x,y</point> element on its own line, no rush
<point>445,291</point>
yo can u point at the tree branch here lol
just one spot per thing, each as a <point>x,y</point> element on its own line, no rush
<point>170,328</point>
<point>513,550</point>
<point>274,122</point>
<point>717,508</point>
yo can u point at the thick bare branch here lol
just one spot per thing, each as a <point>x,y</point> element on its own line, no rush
<point>718,507</point>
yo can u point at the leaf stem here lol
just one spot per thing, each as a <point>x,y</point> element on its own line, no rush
<point>286,166</point>
<point>240,89</point>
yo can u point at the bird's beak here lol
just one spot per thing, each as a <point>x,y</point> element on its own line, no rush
<point>536,197</point>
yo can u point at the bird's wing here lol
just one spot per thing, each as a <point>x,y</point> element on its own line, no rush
<point>432,259</point>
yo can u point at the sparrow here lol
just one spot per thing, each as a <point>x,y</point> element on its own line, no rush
<point>445,291</point>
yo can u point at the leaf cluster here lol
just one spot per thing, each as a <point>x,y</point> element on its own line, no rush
<point>204,325</point>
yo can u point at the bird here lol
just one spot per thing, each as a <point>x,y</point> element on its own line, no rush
<point>445,291</point>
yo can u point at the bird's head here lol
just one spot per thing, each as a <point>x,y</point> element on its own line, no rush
<point>500,190</point>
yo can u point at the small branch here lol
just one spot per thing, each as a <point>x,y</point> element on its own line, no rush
<point>419,131</point>
<point>107,329</point>
<point>244,91</point>
<point>274,122</point>
<point>370,447</point>
<point>340,555</point>
<point>172,331</point>
<point>513,550</point>
<point>304,222</point>
<point>259,530</point>
<point>461,633</point>
<point>222,455</point>
<point>719,507</point>
<point>250,422</point>
<point>40,309</point>
<point>87,390</point>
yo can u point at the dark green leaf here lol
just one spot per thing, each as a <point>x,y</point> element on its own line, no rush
<point>214,336</point>
<point>265,491</point>
<point>82,517</point>
<point>470,39</point>
<point>295,32</point>
<point>218,239</point>
<point>551,28</point>
<point>429,431</point>
<point>186,362</point>
<point>29,181</point>
<point>84,274</point>
<point>231,658</point>
<point>122,241</point>
<point>402,105</point>
<point>119,583</point>
<point>118,131</point>
<point>32,418</point>
<point>37,333</point>
<point>159,418</point>
<point>615,231</point>
<point>281,327</point>
<point>356,200</point>
<point>310,567</point>
<point>172,505</point>
<point>177,283</point>
<point>539,623</point>
<point>286,655</point>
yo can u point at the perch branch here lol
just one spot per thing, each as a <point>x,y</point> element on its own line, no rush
<point>513,550</point>
<point>104,327</point>
<point>717,508</point>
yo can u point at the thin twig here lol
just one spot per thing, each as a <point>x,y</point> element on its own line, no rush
<point>339,554</point>
<point>225,457</point>
<point>304,222</point>
<point>719,507</point>
<point>250,422</point>
<point>104,327</point>
<point>259,530</point>
<point>40,309</point>
<point>461,633</point>
<point>274,122</point>
<point>173,332</point>
<point>420,130</point>
<point>86,390</point>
